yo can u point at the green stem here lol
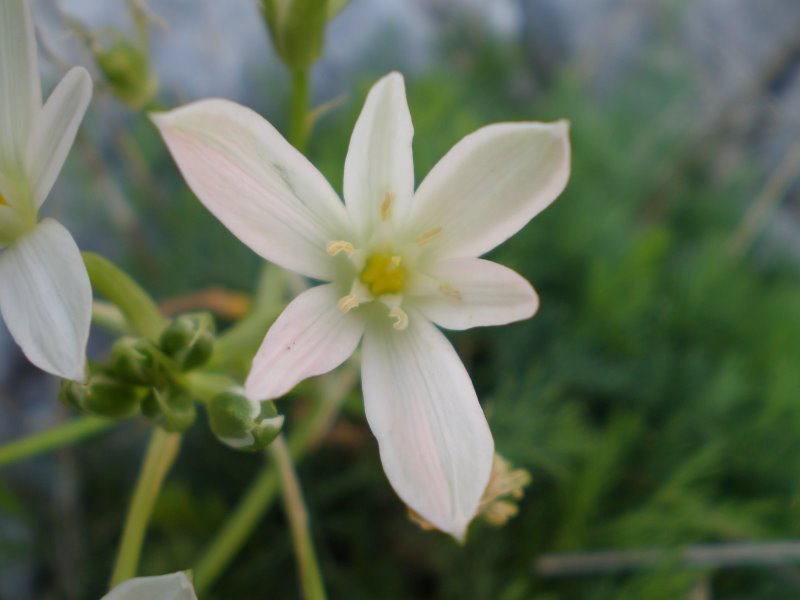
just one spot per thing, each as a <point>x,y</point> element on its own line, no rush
<point>161,452</point>
<point>309,572</point>
<point>56,437</point>
<point>117,286</point>
<point>298,109</point>
<point>264,489</point>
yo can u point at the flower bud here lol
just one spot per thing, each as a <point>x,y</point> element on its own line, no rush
<point>133,360</point>
<point>189,340</point>
<point>173,409</point>
<point>128,72</point>
<point>103,396</point>
<point>297,28</point>
<point>241,423</point>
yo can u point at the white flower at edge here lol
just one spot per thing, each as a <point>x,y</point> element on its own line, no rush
<point>45,296</point>
<point>395,262</point>
<point>175,586</point>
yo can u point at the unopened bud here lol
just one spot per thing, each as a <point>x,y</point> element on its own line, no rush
<point>103,396</point>
<point>297,28</point>
<point>128,72</point>
<point>189,340</point>
<point>173,409</point>
<point>134,361</point>
<point>242,423</point>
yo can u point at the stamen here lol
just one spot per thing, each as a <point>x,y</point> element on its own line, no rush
<point>333,248</point>
<point>395,261</point>
<point>400,318</point>
<point>429,236</point>
<point>449,290</point>
<point>347,303</point>
<point>2,200</point>
<point>386,206</point>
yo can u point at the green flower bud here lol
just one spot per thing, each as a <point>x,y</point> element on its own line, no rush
<point>189,340</point>
<point>173,409</point>
<point>103,396</point>
<point>127,70</point>
<point>134,360</point>
<point>241,423</point>
<point>297,28</point>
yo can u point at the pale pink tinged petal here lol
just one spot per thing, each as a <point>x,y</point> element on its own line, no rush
<point>46,299</point>
<point>257,184</point>
<point>54,130</point>
<point>472,292</point>
<point>20,90</point>
<point>310,337</point>
<point>490,185</point>
<point>435,444</point>
<point>379,169</point>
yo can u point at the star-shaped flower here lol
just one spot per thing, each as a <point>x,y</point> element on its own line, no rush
<point>45,296</point>
<point>395,263</point>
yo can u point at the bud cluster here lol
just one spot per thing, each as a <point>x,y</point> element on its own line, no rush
<point>145,376</point>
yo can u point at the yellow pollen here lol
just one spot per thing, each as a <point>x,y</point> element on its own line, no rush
<point>429,236</point>
<point>333,248</point>
<point>400,318</point>
<point>2,200</point>
<point>383,274</point>
<point>450,291</point>
<point>347,303</point>
<point>386,206</point>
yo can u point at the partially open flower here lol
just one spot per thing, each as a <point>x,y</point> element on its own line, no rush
<point>394,262</point>
<point>45,296</point>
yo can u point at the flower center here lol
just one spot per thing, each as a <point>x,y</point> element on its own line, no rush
<point>383,274</point>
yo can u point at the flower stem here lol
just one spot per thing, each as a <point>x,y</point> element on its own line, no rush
<point>298,109</point>
<point>161,452</point>
<point>264,489</point>
<point>50,439</point>
<point>139,309</point>
<point>310,577</point>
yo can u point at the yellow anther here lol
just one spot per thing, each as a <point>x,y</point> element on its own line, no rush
<point>347,303</point>
<point>429,236</point>
<point>386,206</point>
<point>333,248</point>
<point>400,318</point>
<point>383,274</point>
<point>450,291</point>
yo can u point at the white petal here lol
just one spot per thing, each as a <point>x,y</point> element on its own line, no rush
<point>310,337</point>
<point>435,444</point>
<point>490,185</point>
<point>20,90</point>
<point>472,292</point>
<point>46,299</point>
<point>54,130</point>
<point>256,183</point>
<point>379,169</point>
<point>175,586</point>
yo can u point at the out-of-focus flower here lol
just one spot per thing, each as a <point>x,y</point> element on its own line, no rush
<point>175,586</point>
<point>45,296</point>
<point>396,262</point>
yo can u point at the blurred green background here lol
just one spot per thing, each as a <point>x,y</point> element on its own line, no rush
<point>655,398</point>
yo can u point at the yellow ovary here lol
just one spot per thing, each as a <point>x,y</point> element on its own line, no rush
<point>383,274</point>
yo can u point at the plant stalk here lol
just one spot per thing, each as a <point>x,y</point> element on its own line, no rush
<point>305,555</point>
<point>161,452</point>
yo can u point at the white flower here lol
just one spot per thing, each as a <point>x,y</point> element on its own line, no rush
<point>395,262</point>
<point>45,296</point>
<point>175,586</point>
